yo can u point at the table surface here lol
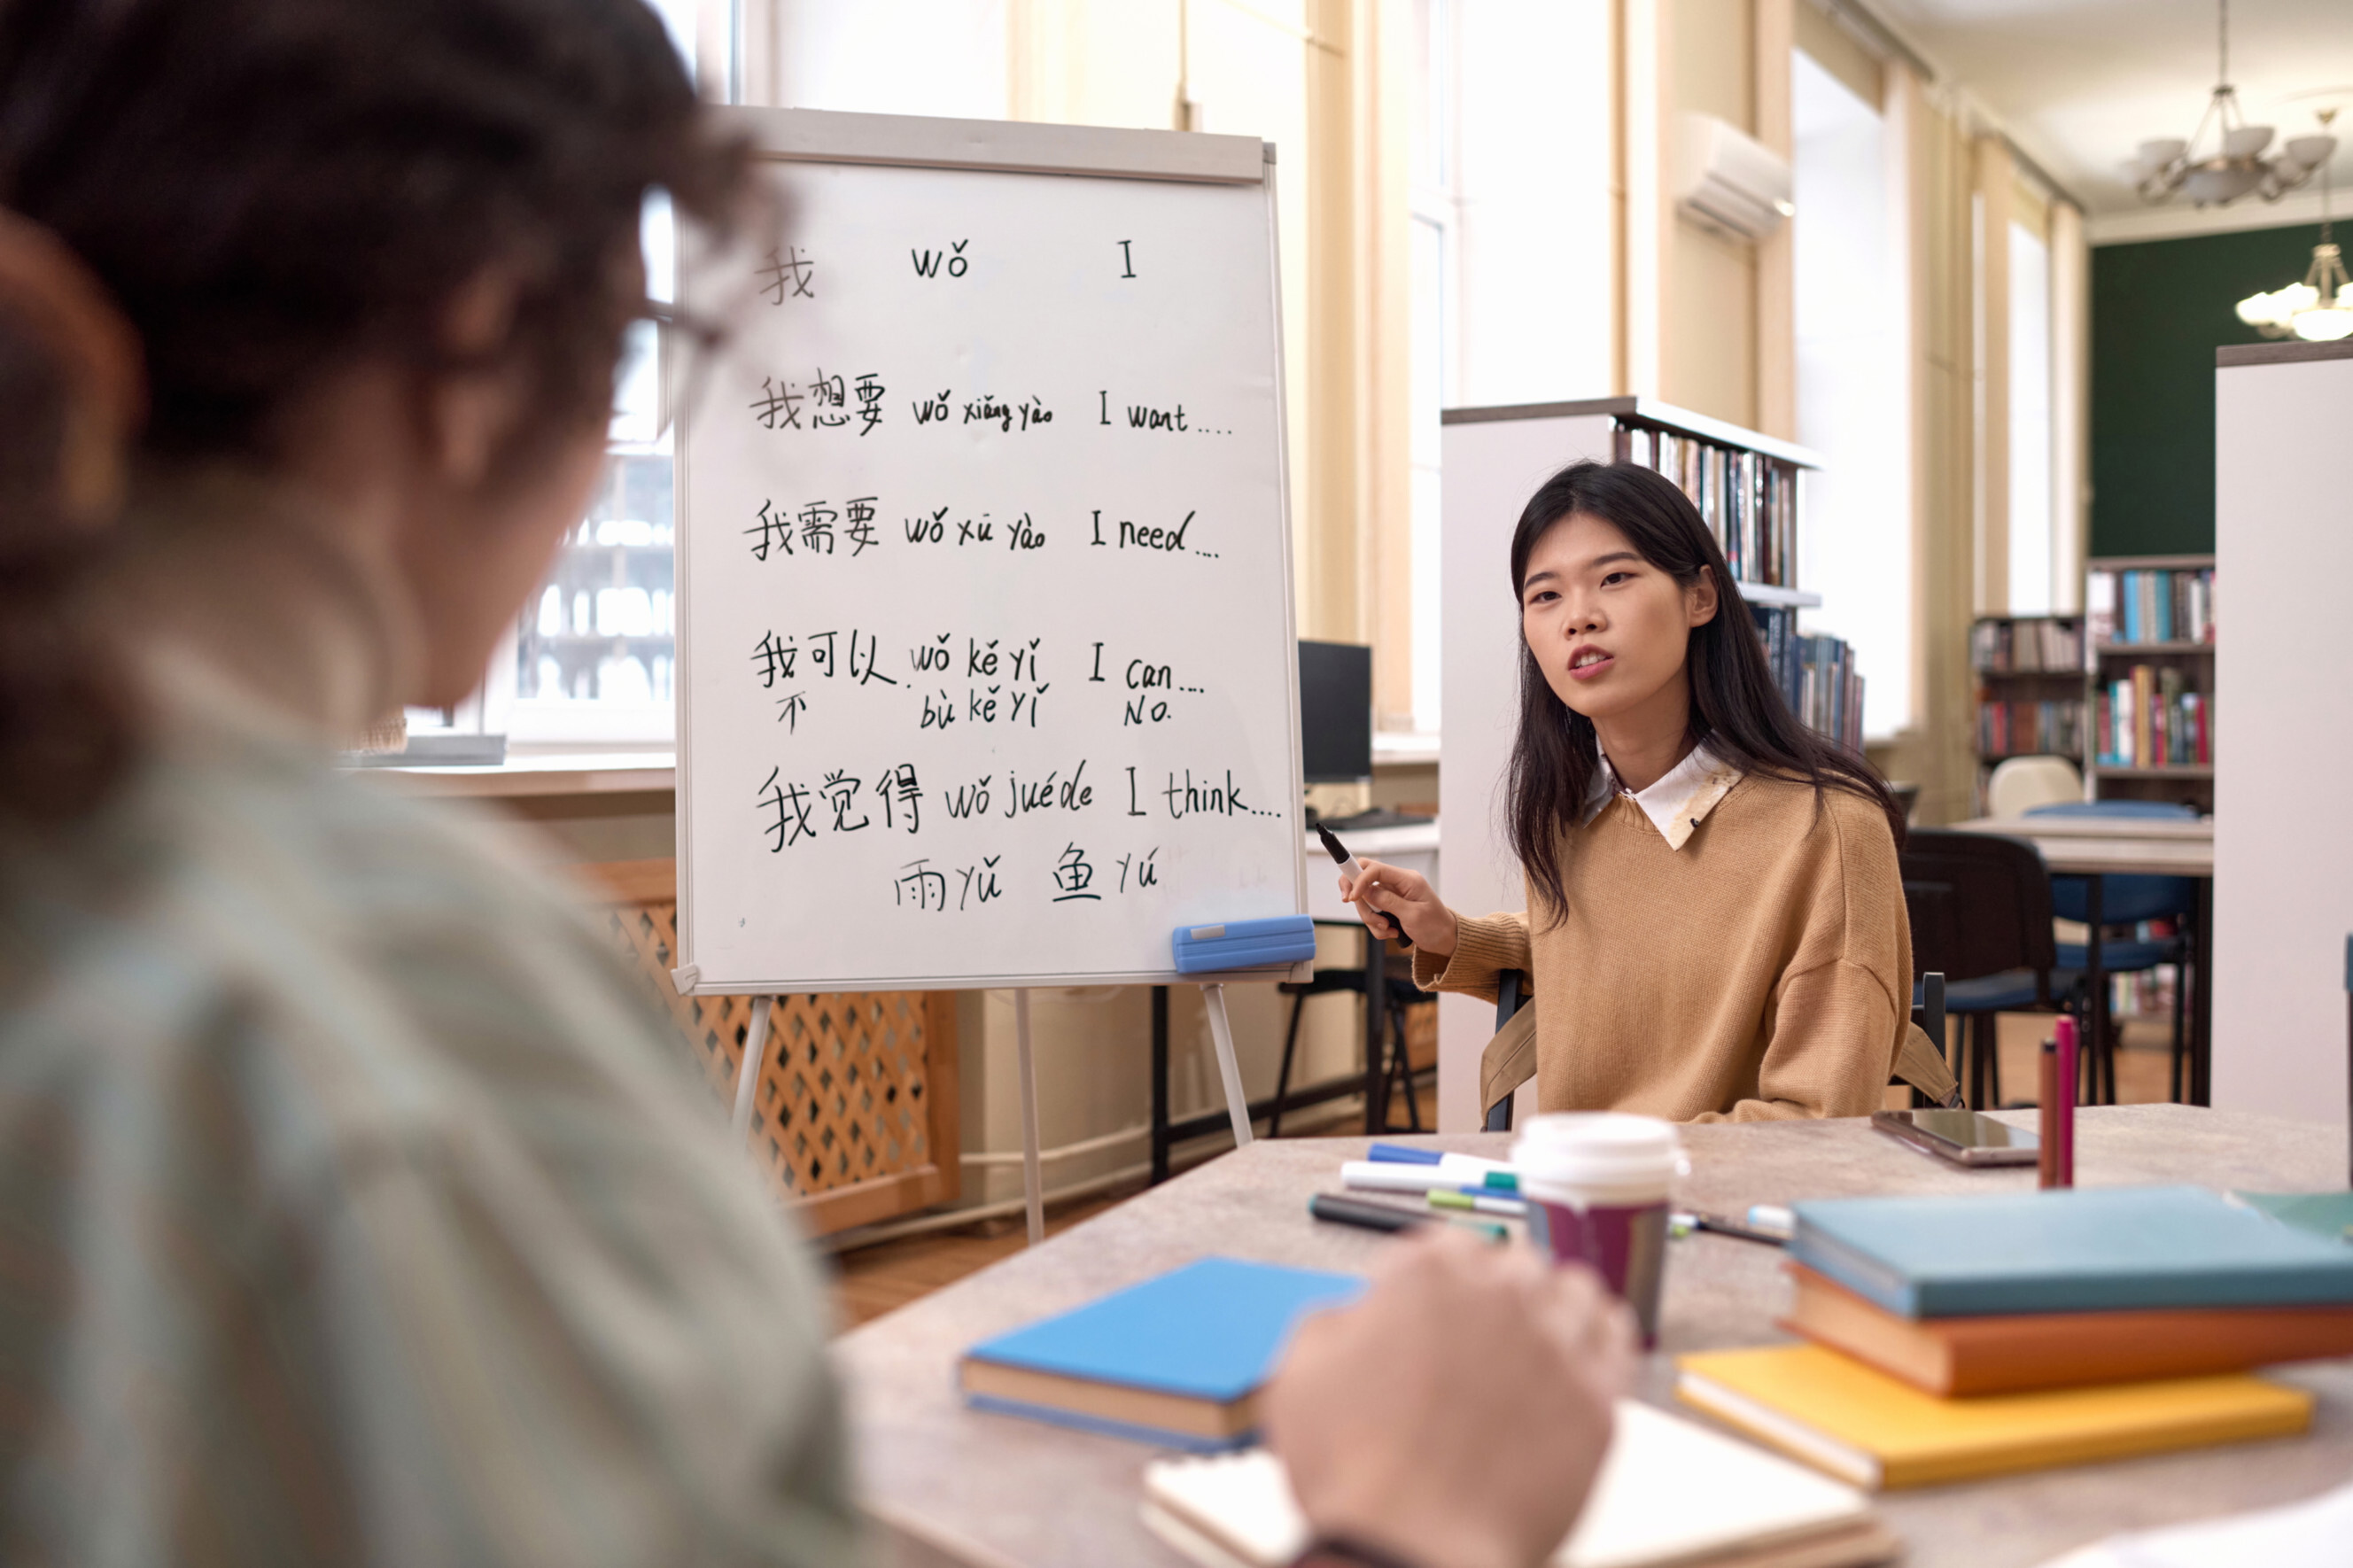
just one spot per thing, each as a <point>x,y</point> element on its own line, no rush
<point>951,1484</point>
<point>2109,846</point>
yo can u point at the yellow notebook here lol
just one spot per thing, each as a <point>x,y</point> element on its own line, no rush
<point>1866,1427</point>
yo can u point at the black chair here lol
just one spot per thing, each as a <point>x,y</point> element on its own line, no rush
<point>1396,1069</point>
<point>1511,993</point>
<point>1980,913</point>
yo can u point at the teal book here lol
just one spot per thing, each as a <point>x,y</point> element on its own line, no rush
<point>1178,1360</point>
<point>2083,1250</point>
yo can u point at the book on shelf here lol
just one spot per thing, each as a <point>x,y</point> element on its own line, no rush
<point>2150,604</point>
<point>1816,674</point>
<point>1747,499</point>
<point>2149,720</point>
<point>2029,728</point>
<point>2026,646</point>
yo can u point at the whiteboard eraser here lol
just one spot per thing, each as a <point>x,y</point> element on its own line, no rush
<point>1243,944</point>
<point>685,978</point>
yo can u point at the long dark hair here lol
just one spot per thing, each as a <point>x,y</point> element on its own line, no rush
<point>1735,707</point>
<point>263,192</point>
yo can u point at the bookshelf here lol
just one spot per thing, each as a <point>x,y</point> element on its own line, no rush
<point>1748,490</point>
<point>2029,690</point>
<point>2149,680</point>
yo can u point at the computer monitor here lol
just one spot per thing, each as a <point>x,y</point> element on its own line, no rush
<point>1335,712</point>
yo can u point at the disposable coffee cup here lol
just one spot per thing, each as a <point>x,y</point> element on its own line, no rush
<point>1595,1187</point>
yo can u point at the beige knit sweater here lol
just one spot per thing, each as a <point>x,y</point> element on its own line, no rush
<point>1761,971</point>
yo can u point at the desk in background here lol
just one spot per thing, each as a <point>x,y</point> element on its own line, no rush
<point>2096,847</point>
<point>950,1485</point>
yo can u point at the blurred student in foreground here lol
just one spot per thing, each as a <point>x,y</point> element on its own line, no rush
<point>353,1210</point>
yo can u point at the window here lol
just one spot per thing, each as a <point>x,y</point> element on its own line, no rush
<point>1852,401</point>
<point>1432,380</point>
<point>592,657</point>
<point>2029,422</point>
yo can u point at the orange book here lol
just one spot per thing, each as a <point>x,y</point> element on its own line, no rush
<point>1864,1427</point>
<point>1967,1356</point>
<point>2144,684</point>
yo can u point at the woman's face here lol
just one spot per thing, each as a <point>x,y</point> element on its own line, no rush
<point>1610,631</point>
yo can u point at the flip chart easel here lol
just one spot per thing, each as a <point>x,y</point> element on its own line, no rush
<point>986,672</point>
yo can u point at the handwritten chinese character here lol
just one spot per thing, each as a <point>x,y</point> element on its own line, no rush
<point>773,529</point>
<point>922,886</point>
<point>778,406</point>
<point>900,796</point>
<point>774,659</point>
<point>790,806</point>
<point>816,528</point>
<point>869,402</point>
<point>870,672</point>
<point>823,657</point>
<point>828,392</point>
<point>840,792</point>
<point>793,706</point>
<point>1073,875</point>
<point>859,527</point>
<point>787,275</point>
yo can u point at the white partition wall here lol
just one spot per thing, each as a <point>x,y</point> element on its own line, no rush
<point>1489,467</point>
<point>2284,695</point>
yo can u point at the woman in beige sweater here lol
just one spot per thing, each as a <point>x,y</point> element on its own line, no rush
<point>1715,927</point>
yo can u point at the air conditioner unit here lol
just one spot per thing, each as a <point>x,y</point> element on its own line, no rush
<point>1726,180</point>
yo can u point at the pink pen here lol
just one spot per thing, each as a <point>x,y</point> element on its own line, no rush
<point>2065,1121</point>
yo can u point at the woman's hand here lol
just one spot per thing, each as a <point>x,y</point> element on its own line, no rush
<point>1389,898</point>
<point>1456,1416</point>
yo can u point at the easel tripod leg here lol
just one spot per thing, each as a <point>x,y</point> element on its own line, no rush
<point>1032,1181</point>
<point>747,1077</point>
<point>1213,995</point>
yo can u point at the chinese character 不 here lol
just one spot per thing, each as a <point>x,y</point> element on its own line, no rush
<point>1073,875</point>
<point>786,275</point>
<point>790,804</point>
<point>774,528</point>
<point>793,705</point>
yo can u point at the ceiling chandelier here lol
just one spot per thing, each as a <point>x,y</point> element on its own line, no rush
<point>2319,308</point>
<point>2236,164</point>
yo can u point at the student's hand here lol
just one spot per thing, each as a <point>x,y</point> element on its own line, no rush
<point>1388,898</point>
<point>1455,1417</point>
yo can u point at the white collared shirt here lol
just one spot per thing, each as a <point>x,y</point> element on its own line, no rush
<point>1680,800</point>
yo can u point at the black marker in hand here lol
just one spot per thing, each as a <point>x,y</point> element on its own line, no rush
<point>1341,857</point>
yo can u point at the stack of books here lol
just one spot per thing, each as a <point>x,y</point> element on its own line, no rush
<point>1957,1337</point>
<point>2027,646</point>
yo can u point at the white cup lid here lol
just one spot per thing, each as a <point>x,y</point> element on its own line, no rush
<point>1596,1149</point>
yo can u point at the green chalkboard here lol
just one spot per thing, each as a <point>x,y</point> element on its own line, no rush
<point>2160,309</point>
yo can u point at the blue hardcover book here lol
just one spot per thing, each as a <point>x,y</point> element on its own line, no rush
<point>2067,1250</point>
<point>1177,1360</point>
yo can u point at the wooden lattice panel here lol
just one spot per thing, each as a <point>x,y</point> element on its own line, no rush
<point>852,1109</point>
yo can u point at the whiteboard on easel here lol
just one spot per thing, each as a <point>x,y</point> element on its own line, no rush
<point>987,669</point>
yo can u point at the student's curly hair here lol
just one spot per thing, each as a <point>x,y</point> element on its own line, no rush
<point>267,191</point>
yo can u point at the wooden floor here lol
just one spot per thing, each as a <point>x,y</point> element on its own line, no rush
<point>872,1280</point>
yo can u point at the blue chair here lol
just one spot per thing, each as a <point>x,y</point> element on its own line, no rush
<point>2128,900</point>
